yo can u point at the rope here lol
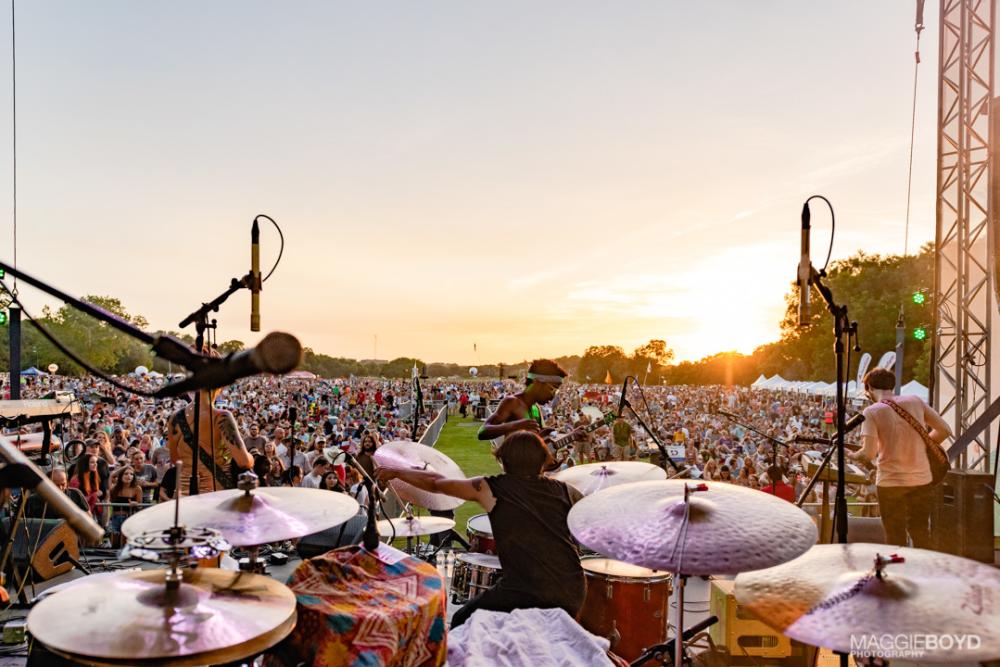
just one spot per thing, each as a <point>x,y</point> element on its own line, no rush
<point>13,78</point>
<point>918,27</point>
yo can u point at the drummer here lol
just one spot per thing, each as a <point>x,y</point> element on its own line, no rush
<point>528,513</point>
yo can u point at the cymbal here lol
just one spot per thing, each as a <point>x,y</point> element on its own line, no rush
<point>592,477</point>
<point>730,528</point>
<point>267,514</point>
<point>215,616</point>
<point>829,594</point>
<point>418,525</point>
<point>413,455</point>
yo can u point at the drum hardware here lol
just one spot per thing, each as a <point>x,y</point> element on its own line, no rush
<point>592,477</point>
<point>178,617</point>
<point>664,525</point>
<point>837,593</point>
<point>664,653</point>
<point>474,573</point>
<point>414,456</point>
<point>249,516</point>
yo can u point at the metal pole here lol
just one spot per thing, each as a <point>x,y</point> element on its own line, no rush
<point>14,313</point>
<point>900,344</point>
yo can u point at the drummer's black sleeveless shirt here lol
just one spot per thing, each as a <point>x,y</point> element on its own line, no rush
<point>536,550</point>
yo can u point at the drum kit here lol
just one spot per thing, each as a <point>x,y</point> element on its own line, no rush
<point>180,615</point>
<point>645,535</point>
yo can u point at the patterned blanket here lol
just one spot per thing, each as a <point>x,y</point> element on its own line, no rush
<point>367,610</point>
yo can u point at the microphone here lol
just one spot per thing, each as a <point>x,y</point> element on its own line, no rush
<point>622,401</point>
<point>277,353</point>
<point>805,269</point>
<point>255,282</point>
<point>81,522</point>
<point>853,422</point>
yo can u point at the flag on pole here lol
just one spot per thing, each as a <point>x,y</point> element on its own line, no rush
<point>649,367</point>
<point>414,373</point>
<point>474,348</point>
<point>607,378</point>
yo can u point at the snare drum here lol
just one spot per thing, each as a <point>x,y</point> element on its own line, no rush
<point>474,573</point>
<point>626,598</point>
<point>480,534</point>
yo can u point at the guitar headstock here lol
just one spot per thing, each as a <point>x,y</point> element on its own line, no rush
<point>608,418</point>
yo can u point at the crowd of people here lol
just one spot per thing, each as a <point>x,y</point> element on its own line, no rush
<point>115,451</point>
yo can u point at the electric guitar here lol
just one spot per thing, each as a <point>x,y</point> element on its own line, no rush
<point>559,443</point>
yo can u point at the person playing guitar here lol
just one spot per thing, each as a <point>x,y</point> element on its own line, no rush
<point>218,436</point>
<point>521,411</point>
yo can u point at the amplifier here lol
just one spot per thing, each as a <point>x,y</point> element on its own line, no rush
<point>49,547</point>
<point>962,515</point>
<point>739,631</point>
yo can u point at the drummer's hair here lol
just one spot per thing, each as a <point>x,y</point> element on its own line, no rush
<point>524,454</point>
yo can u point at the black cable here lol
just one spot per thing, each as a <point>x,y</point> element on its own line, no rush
<point>73,356</point>
<point>833,227</point>
<point>281,250</point>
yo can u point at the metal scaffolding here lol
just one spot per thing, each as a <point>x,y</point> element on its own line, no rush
<point>963,298</point>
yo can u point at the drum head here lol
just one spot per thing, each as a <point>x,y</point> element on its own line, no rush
<point>481,560</point>
<point>481,524</point>
<point>610,567</point>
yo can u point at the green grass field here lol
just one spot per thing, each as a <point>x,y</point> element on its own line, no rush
<point>458,442</point>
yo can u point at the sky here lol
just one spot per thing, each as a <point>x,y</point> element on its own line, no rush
<point>526,178</point>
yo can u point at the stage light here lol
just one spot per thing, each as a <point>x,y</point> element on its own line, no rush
<point>919,298</point>
<point>3,318</point>
<point>920,333</point>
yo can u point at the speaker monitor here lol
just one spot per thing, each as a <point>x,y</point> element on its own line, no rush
<point>962,517</point>
<point>48,546</point>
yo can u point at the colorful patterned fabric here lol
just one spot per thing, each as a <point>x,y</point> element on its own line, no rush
<point>360,610</point>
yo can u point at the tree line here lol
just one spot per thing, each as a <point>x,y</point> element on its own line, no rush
<point>874,287</point>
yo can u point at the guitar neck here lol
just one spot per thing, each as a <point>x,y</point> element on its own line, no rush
<point>590,428</point>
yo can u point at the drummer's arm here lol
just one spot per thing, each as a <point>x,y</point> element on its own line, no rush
<point>475,489</point>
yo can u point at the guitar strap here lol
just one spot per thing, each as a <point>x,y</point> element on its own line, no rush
<point>180,421</point>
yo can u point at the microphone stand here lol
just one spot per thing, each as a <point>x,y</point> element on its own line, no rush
<point>200,320</point>
<point>843,328</point>
<point>418,405</point>
<point>774,442</point>
<point>678,471</point>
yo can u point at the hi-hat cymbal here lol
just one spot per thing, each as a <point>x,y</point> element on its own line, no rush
<point>593,477</point>
<point>215,616</point>
<point>267,514</point>
<point>729,528</point>
<point>830,597</point>
<point>413,455</point>
<point>414,527</point>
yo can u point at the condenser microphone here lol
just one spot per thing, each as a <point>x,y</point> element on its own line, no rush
<point>255,281</point>
<point>805,269</point>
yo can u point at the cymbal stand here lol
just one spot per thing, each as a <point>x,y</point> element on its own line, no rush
<point>680,579</point>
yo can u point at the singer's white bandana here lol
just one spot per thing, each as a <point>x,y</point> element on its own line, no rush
<point>551,379</point>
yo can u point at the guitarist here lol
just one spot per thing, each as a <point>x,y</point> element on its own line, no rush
<point>218,427</point>
<point>522,411</point>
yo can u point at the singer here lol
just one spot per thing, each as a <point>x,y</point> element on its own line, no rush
<point>218,428</point>
<point>530,520</point>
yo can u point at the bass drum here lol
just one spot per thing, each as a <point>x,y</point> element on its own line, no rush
<point>480,534</point>
<point>474,574</point>
<point>626,601</point>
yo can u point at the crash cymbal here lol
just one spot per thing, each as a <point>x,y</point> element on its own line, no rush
<point>215,616</point>
<point>414,527</point>
<point>263,515</point>
<point>413,455</point>
<point>593,477</point>
<point>729,528</point>
<point>831,593</point>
